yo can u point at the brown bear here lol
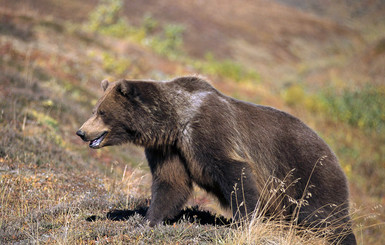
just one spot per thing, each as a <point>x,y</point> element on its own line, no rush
<point>253,158</point>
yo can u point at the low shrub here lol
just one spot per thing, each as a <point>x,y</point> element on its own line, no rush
<point>225,68</point>
<point>363,108</point>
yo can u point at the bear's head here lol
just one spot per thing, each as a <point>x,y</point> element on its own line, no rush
<point>130,111</point>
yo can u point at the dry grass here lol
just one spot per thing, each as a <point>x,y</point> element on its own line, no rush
<point>44,206</point>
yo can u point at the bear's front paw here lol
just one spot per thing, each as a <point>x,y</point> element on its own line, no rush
<point>153,223</point>
<point>153,220</point>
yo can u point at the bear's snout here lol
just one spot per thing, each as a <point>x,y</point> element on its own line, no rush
<point>81,134</point>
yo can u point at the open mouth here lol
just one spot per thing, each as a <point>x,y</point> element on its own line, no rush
<point>96,142</point>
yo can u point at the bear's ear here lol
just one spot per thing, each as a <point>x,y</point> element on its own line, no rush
<point>128,89</point>
<point>104,84</point>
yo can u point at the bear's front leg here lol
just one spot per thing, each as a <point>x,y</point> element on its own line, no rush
<point>171,185</point>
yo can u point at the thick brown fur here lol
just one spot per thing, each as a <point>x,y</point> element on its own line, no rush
<point>248,156</point>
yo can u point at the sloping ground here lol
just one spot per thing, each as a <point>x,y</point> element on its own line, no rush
<point>212,26</point>
<point>263,35</point>
<point>364,68</point>
<point>365,65</point>
<point>61,9</point>
<point>344,11</point>
<point>370,63</point>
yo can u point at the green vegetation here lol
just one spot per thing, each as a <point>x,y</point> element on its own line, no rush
<point>105,19</point>
<point>165,40</point>
<point>226,69</point>
<point>115,65</point>
<point>363,108</point>
<point>169,42</point>
<point>296,96</point>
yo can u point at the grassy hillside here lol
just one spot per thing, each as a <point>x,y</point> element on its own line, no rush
<point>53,55</point>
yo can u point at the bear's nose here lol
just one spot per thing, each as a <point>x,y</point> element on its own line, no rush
<point>81,134</point>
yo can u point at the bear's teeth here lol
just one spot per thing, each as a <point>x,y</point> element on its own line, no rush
<point>96,142</point>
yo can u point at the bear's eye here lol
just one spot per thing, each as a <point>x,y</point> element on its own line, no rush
<point>101,112</point>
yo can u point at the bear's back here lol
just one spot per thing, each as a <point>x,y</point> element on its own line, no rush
<point>257,127</point>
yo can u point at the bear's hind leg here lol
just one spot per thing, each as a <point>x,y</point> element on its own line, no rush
<point>334,218</point>
<point>239,189</point>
